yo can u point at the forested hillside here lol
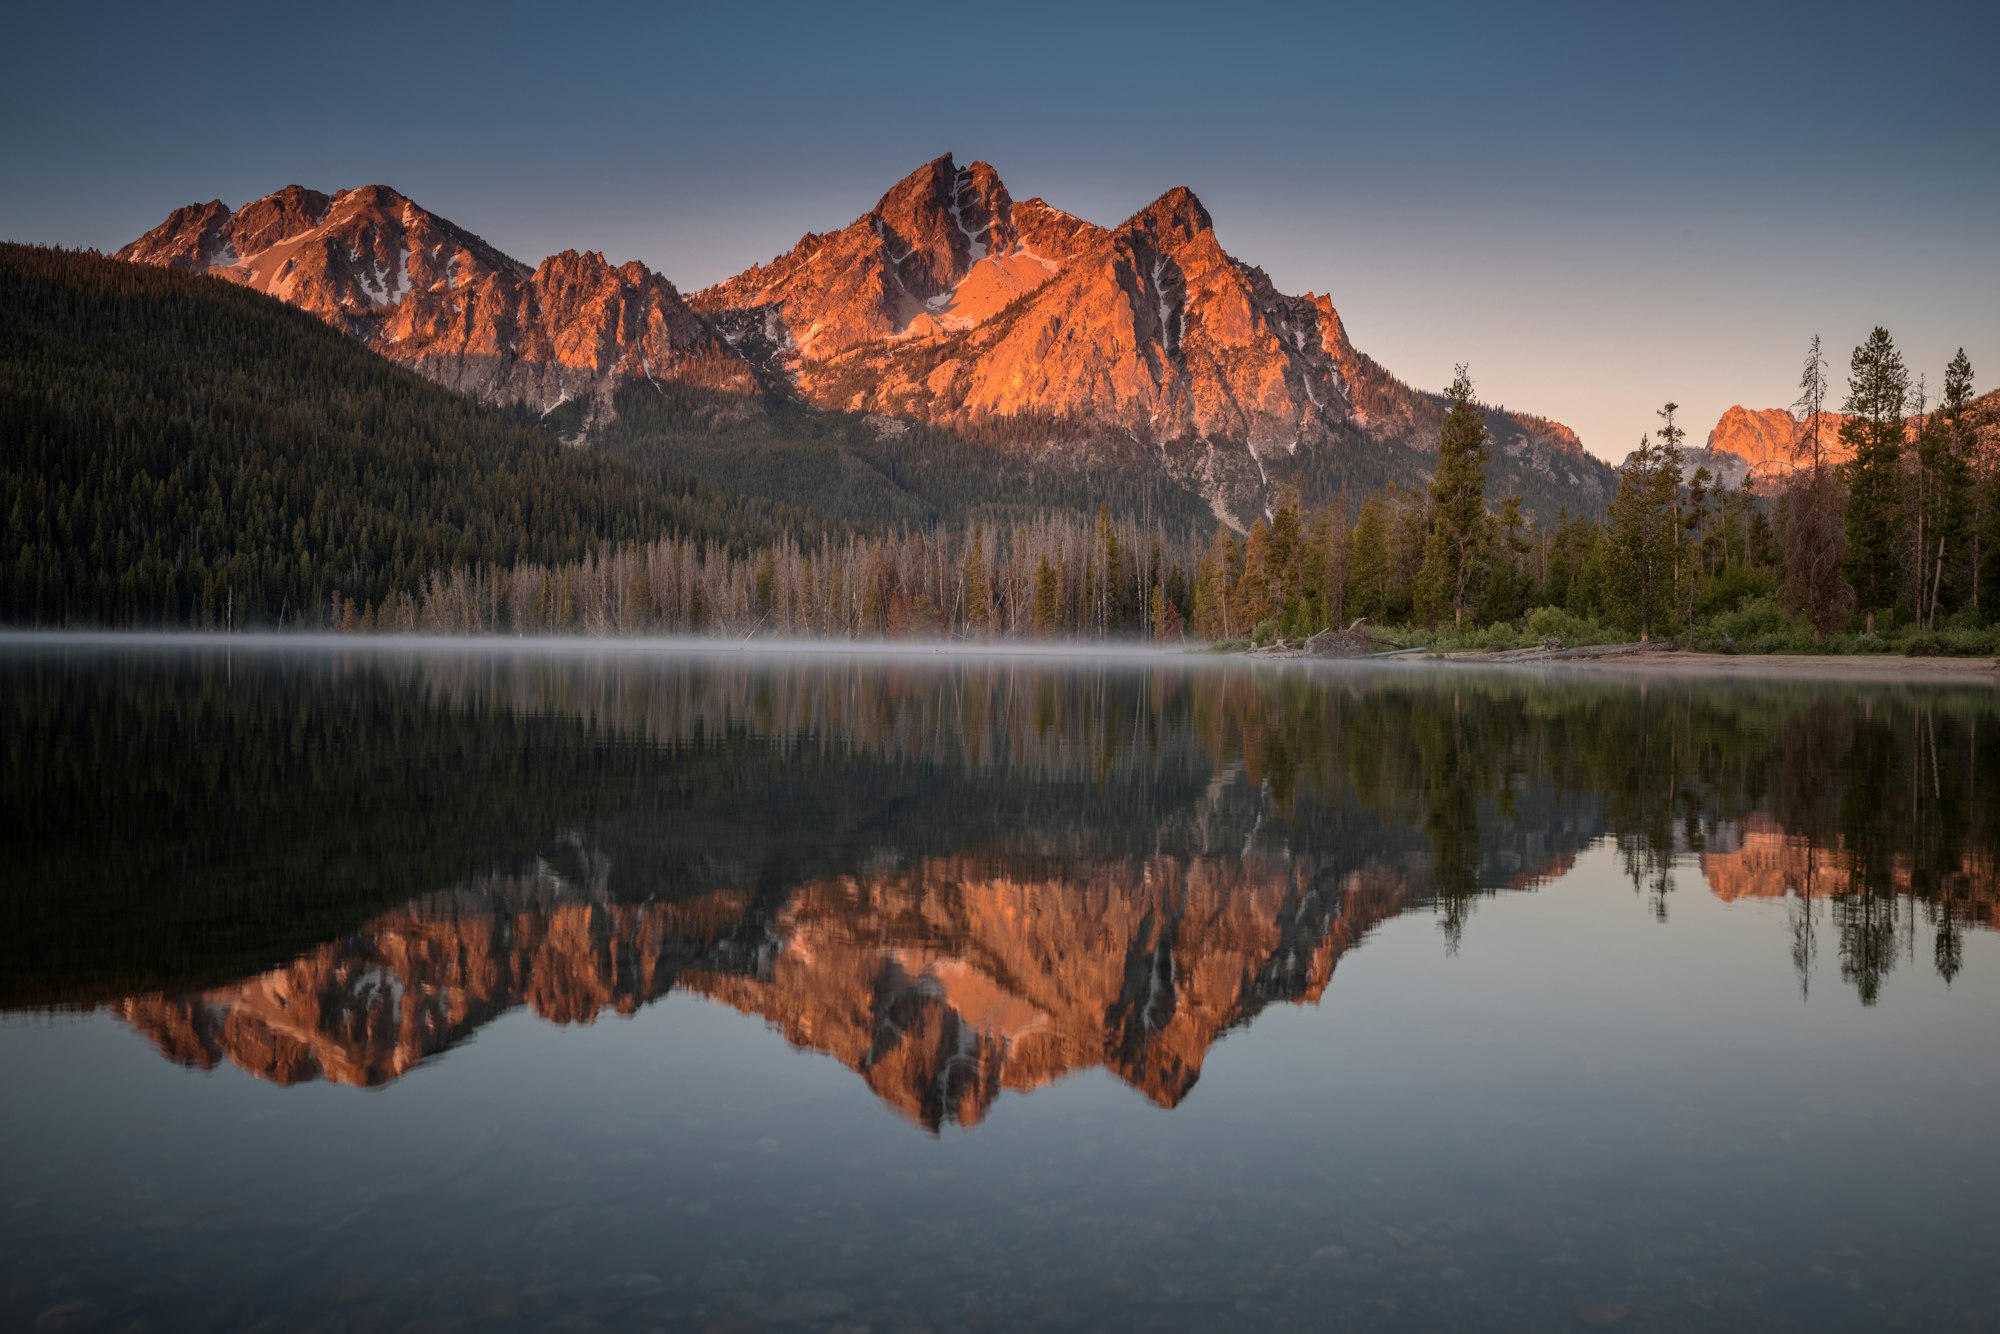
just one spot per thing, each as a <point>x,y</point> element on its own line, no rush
<point>875,470</point>
<point>181,451</point>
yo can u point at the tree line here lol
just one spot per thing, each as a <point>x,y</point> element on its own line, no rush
<point>1905,533</point>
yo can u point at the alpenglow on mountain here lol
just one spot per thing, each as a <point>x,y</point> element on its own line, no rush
<point>949,304</point>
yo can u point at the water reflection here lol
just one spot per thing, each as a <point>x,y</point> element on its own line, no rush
<point>955,879</point>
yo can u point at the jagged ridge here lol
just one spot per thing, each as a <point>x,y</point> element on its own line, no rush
<point>949,302</point>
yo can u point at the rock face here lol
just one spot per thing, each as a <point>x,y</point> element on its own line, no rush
<point>948,302</point>
<point>1760,442</point>
<point>1747,441</point>
<point>424,292</point>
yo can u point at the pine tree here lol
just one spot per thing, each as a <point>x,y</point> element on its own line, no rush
<point>1668,446</point>
<point>1877,390</point>
<point>1452,554</point>
<point>1256,595</point>
<point>1214,588</point>
<point>1693,524</point>
<point>1815,538</point>
<point>978,590</point>
<point>1048,598</point>
<point>1283,558</point>
<point>1947,445</point>
<point>1505,595</point>
<point>1368,566</point>
<point>1983,433</point>
<point>1110,606</point>
<point>1640,540</point>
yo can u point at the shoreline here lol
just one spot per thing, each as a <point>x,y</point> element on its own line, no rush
<point>1780,666</point>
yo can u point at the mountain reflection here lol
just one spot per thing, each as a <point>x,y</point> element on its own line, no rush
<point>954,879</point>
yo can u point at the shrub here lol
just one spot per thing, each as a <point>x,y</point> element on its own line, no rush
<point>1558,623</point>
<point>1952,642</point>
<point>1498,635</point>
<point>1732,589</point>
<point>1264,631</point>
<point>1758,618</point>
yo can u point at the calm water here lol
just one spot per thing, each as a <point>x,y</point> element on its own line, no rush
<point>391,988</point>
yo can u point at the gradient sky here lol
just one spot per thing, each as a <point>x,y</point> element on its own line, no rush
<point>1599,207</point>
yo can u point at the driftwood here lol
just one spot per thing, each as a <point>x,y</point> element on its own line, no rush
<point>1358,641</point>
<point>1354,642</point>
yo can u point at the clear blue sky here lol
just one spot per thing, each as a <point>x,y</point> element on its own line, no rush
<point>1599,207</point>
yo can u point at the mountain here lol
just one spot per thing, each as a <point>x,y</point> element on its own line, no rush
<point>950,303</point>
<point>1746,441</point>
<point>1760,441</point>
<point>1034,341</point>
<point>184,453</point>
<point>429,294</point>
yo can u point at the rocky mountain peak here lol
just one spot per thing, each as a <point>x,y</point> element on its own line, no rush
<point>423,291</point>
<point>1173,220</point>
<point>1746,441</point>
<point>262,223</point>
<point>939,221</point>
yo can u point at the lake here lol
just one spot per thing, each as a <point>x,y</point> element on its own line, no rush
<point>359,985</point>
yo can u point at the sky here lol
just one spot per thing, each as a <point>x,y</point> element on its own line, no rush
<point>1597,207</point>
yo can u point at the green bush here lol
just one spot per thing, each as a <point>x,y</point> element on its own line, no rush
<point>1732,589</point>
<point>1558,623</point>
<point>1952,642</point>
<point>1499,635</point>
<point>1757,619</point>
<point>1264,631</point>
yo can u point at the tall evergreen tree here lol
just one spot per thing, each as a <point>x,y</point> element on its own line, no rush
<point>1983,432</point>
<point>1506,591</point>
<point>1693,525</point>
<point>1669,441</point>
<point>1283,558</point>
<point>1815,538</point>
<point>978,587</point>
<point>1640,540</point>
<point>1368,566</point>
<point>1457,509</point>
<point>1257,591</point>
<point>1878,389</point>
<point>1947,445</point>
<point>1110,599</point>
<point>1048,598</point>
<point>1214,588</point>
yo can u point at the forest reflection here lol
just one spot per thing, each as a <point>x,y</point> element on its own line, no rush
<point>954,876</point>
